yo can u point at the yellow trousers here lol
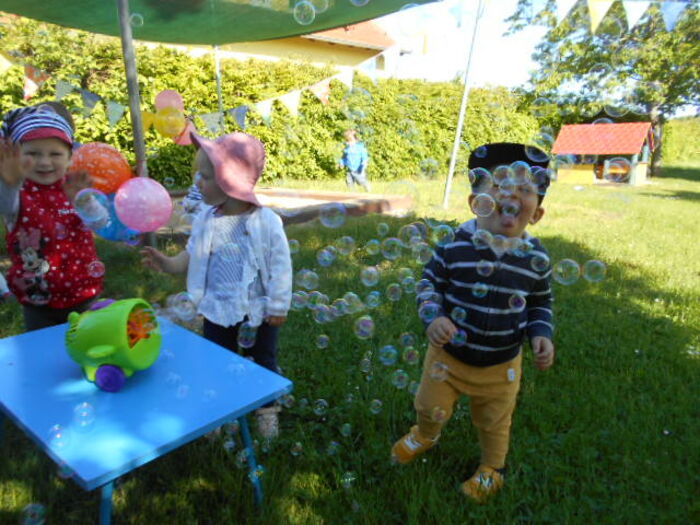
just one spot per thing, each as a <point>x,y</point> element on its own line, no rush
<point>492,391</point>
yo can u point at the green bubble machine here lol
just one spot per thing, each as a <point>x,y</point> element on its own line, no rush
<point>113,339</point>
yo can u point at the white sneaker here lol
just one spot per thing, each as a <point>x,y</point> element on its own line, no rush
<point>268,422</point>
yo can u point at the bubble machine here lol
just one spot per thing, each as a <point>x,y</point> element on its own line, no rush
<point>114,339</point>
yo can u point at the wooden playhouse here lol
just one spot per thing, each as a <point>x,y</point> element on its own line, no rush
<point>585,152</point>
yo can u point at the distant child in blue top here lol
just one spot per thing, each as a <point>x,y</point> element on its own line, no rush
<point>355,159</point>
<point>237,259</point>
<point>483,295</point>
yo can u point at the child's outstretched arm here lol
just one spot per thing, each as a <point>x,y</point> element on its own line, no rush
<point>540,325</point>
<point>160,262</point>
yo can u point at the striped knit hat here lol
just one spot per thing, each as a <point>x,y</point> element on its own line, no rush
<point>25,124</point>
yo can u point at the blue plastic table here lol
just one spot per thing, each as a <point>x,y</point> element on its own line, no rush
<point>194,387</point>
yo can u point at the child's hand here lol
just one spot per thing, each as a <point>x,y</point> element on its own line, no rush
<point>440,331</point>
<point>155,260</point>
<point>76,181</point>
<point>543,348</point>
<point>275,320</point>
<point>10,167</point>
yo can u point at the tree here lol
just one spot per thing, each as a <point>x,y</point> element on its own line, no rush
<point>639,73</point>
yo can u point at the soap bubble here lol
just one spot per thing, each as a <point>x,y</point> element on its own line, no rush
<point>409,234</point>
<point>183,306</point>
<point>480,290</point>
<point>481,152</point>
<point>322,341</point>
<point>296,449</point>
<point>594,271</point>
<point>443,235</point>
<point>373,299</point>
<point>136,20</point>
<point>348,478</point>
<point>458,314</point>
<point>320,407</point>
<point>539,262</point>
<point>422,252</point>
<point>566,272</point>
<point>317,299</point>
<point>83,416</point>
<point>354,302</point>
<point>482,239</point>
<point>325,257</point>
<point>375,406</point>
<point>439,371</point>
<point>483,204</point>
<point>59,438</point>
<point>409,285</point>
<point>484,268</point>
<point>364,327</point>
<point>373,247</point>
<point>257,473</point>
<point>413,387</point>
<point>304,12</point>
<point>382,229</point>
<point>287,401</point>
<point>345,245</point>
<point>247,335</point>
<point>438,414</point>
<point>369,276</point>
<point>411,356</point>
<point>424,286</point>
<point>517,302</point>
<point>619,170</point>
<point>365,366</point>
<point>407,339</point>
<point>428,311</point>
<point>300,300</point>
<point>346,430</point>
<point>391,248</point>
<point>459,338</point>
<point>306,279</point>
<point>332,448</point>
<point>399,379</point>
<point>293,246</point>
<point>394,292</point>
<point>332,215</point>
<point>387,355</point>
<point>96,269</point>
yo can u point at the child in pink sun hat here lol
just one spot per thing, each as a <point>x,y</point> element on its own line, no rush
<point>239,271</point>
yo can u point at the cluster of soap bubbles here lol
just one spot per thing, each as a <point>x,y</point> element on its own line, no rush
<point>568,271</point>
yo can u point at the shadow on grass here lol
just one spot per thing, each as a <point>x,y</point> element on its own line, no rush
<point>679,172</point>
<point>591,438</point>
<point>683,195</point>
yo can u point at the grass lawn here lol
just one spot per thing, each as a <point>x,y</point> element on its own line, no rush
<point>609,435</point>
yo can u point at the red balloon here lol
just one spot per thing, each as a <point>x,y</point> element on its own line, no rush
<point>105,164</point>
<point>169,98</point>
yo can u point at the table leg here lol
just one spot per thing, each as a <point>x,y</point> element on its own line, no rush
<point>106,504</point>
<point>248,442</point>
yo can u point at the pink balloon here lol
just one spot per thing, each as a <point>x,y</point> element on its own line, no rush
<point>143,204</point>
<point>169,98</point>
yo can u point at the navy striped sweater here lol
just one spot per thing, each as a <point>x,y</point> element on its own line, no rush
<point>496,323</point>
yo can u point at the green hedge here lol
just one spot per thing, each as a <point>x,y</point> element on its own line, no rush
<point>408,125</point>
<point>681,140</point>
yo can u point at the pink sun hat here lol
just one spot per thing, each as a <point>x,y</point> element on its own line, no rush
<point>238,160</point>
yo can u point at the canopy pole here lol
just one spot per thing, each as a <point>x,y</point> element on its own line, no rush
<point>217,66</point>
<point>462,110</point>
<point>132,85</point>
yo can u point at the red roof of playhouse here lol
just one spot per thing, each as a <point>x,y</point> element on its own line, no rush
<point>365,34</point>
<point>626,138</point>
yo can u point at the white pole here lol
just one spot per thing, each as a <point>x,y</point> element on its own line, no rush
<point>217,65</point>
<point>132,84</point>
<point>463,109</point>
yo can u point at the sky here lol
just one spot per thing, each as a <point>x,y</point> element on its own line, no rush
<point>497,60</point>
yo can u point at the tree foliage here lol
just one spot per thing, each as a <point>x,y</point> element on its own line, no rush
<point>408,125</point>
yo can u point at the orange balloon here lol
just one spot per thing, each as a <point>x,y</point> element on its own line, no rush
<point>105,164</point>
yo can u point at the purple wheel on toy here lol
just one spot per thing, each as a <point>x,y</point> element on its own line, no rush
<point>110,378</point>
<point>98,305</point>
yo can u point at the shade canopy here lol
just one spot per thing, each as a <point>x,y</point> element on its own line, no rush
<point>625,138</point>
<point>212,22</point>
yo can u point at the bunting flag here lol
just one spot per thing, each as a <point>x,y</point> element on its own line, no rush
<point>563,9</point>
<point>212,121</point>
<point>33,79</point>
<point>239,113</point>
<point>147,117</point>
<point>634,9</point>
<point>671,12</point>
<point>115,111</point>
<point>63,88</point>
<point>90,100</point>
<point>322,90</point>
<point>346,77</point>
<point>265,109</point>
<point>597,9</point>
<point>291,101</point>
<point>184,139</point>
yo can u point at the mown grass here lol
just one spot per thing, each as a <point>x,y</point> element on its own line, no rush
<point>609,435</point>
